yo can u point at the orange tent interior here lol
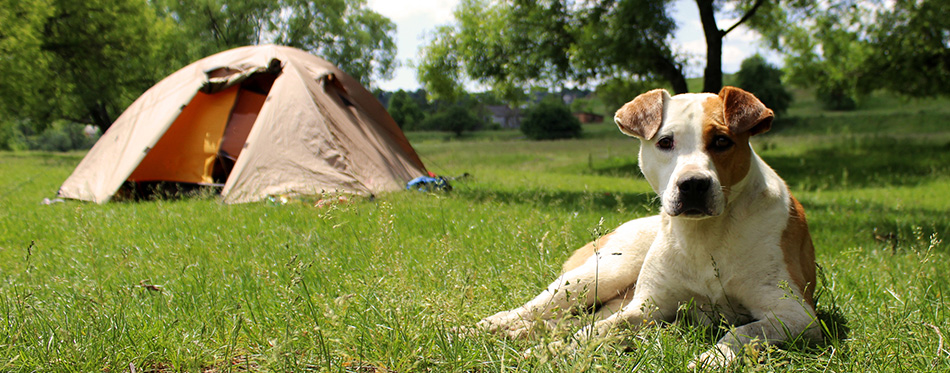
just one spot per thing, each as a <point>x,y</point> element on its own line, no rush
<point>202,144</point>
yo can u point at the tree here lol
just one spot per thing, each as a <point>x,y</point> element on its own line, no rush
<point>912,34</point>
<point>845,49</point>
<point>344,32</point>
<point>205,27</point>
<point>86,61</point>
<point>456,119</point>
<point>23,60</point>
<point>712,77</point>
<point>630,39</point>
<point>515,44</point>
<point>79,60</point>
<point>405,111</point>
<point>825,47</point>
<point>765,82</point>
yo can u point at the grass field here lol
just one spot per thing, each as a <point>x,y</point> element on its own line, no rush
<point>373,286</point>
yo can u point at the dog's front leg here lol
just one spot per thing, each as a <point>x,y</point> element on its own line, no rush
<point>656,298</point>
<point>775,327</point>
<point>635,315</point>
<point>603,277</point>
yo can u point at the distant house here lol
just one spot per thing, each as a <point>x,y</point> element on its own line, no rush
<point>585,117</point>
<point>505,116</point>
<point>91,131</point>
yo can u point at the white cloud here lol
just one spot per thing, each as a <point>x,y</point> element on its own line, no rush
<point>743,34</point>
<point>432,11</point>
<point>413,19</point>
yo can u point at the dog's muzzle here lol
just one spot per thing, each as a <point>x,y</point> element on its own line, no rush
<point>693,198</point>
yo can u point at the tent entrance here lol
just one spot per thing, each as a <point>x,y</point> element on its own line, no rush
<point>202,144</point>
<point>250,99</point>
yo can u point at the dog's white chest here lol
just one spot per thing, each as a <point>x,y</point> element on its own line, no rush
<point>712,292</point>
<point>704,273</point>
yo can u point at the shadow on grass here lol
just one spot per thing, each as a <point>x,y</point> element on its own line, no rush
<point>831,320</point>
<point>572,201</point>
<point>47,158</point>
<point>853,162</point>
<point>626,170</point>
<point>164,191</point>
<point>864,162</point>
<point>862,122</point>
<point>875,226</point>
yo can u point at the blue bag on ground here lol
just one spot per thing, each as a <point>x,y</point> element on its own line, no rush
<point>429,184</point>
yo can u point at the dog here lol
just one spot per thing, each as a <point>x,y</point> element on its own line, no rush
<point>731,244</point>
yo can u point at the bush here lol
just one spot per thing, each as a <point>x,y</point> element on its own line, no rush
<point>765,82</point>
<point>8,134</point>
<point>549,120</point>
<point>835,97</point>
<point>60,136</point>
<point>455,119</point>
<point>405,111</point>
<point>17,135</point>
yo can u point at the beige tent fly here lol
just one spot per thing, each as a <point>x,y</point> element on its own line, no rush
<point>262,120</point>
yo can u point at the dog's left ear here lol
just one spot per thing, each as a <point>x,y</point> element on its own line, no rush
<point>643,116</point>
<point>744,112</point>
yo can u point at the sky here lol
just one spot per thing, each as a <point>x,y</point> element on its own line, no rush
<point>416,18</point>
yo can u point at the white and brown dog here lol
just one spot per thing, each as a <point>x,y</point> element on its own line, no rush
<point>730,243</point>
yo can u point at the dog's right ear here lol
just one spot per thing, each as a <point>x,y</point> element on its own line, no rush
<point>642,117</point>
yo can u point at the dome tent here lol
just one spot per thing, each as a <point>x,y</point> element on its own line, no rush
<point>262,120</point>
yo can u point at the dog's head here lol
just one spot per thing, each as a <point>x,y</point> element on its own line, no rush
<point>694,147</point>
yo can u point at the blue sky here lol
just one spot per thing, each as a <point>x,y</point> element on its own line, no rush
<point>415,18</point>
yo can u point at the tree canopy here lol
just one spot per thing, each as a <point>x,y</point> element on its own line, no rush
<point>847,48</point>
<point>913,34</point>
<point>85,61</point>
<point>78,60</point>
<point>514,44</point>
<point>511,45</point>
<point>405,111</point>
<point>550,119</point>
<point>756,75</point>
<point>344,32</point>
<point>841,48</point>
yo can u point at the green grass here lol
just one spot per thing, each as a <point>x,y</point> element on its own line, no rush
<point>194,285</point>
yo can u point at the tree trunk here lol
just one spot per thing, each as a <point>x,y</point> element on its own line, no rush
<point>100,116</point>
<point>673,74</point>
<point>712,77</point>
<point>677,80</point>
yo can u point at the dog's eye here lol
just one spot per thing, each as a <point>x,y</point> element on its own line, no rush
<point>665,143</point>
<point>721,143</point>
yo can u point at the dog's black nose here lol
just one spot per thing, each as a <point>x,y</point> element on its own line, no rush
<point>694,186</point>
<point>693,197</point>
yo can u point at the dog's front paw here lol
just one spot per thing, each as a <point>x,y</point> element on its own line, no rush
<point>716,357</point>
<point>499,321</point>
<point>579,339</point>
<point>508,323</point>
<point>600,329</point>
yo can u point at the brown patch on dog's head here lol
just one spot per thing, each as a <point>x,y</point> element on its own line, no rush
<point>731,161</point>
<point>730,119</point>
<point>642,117</point>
